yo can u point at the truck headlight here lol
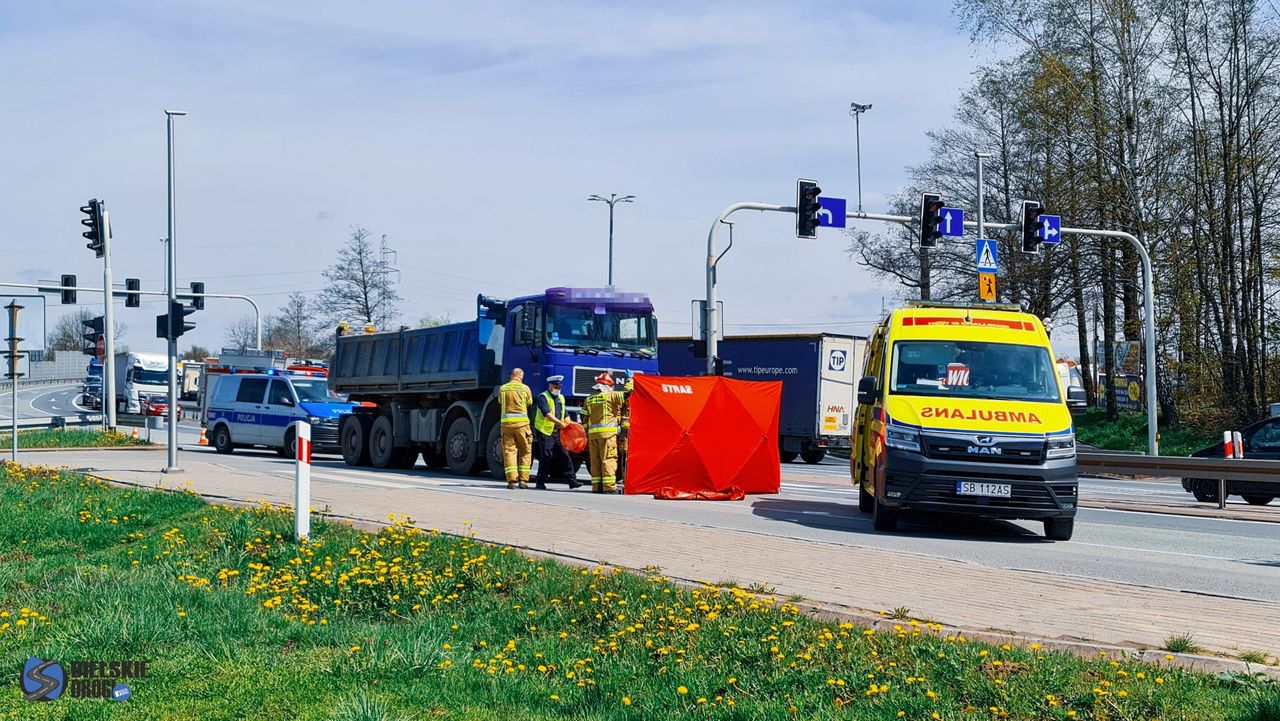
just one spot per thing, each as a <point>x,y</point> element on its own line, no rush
<point>903,440</point>
<point>1062,447</point>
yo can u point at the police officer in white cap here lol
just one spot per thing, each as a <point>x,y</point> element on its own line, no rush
<point>554,463</point>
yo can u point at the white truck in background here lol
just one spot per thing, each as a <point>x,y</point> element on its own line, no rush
<point>141,378</point>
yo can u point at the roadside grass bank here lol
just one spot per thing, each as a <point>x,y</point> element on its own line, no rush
<point>236,621</point>
<point>1129,433</point>
<point>69,438</point>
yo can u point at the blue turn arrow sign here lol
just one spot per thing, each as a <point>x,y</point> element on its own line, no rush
<point>1050,228</point>
<point>951,222</point>
<point>832,214</point>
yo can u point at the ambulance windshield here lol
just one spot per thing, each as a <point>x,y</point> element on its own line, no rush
<point>974,369</point>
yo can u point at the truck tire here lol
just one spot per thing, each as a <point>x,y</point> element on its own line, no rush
<point>1204,491</point>
<point>1059,529</point>
<point>460,448</point>
<point>788,456</point>
<point>382,445</point>
<point>434,458</point>
<point>1257,500</point>
<point>866,501</point>
<point>354,436</point>
<point>409,459</point>
<point>222,440</point>
<point>813,455</point>
<point>493,453</point>
<point>882,518</point>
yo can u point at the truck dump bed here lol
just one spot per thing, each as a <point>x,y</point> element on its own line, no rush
<point>444,358</point>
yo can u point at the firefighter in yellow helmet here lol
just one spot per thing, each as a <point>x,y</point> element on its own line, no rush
<point>624,429</point>
<point>604,413</point>
<point>514,400</point>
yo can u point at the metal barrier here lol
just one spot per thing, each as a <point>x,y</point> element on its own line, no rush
<point>1238,470</point>
<point>24,383</point>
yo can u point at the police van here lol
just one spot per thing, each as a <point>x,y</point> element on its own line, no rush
<point>261,409</point>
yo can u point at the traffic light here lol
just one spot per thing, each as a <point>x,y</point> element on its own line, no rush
<point>94,328</point>
<point>197,297</point>
<point>68,289</point>
<point>807,207</point>
<point>930,217</point>
<point>132,299</point>
<point>173,324</point>
<point>1031,226</point>
<point>97,231</point>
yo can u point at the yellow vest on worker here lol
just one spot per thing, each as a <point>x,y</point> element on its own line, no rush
<point>514,399</point>
<point>541,423</point>
<point>603,413</point>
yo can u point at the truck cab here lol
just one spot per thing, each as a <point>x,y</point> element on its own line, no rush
<point>961,410</point>
<point>141,378</point>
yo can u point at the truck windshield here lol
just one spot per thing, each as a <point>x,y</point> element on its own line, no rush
<point>316,390</point>
<point>150,378</point>
<point>974,369</point>
<point>613,330</point>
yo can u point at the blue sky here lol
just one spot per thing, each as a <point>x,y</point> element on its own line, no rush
<point>471,135</point>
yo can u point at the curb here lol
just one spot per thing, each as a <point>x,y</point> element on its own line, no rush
<point>1081,648</point>
<point>154,447</point>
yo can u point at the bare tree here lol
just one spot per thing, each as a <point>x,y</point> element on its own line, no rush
<point>68,332</point>
<point>242,332</point>
<point>295,329</point>
<point>196,353</point>
<point>360,288</point>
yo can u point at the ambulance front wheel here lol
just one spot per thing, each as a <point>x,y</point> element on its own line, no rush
<point>1059,529</point>
<point>884,519</point>
<point>866,501</point>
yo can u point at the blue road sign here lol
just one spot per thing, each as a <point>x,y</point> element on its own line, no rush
<point>987,255</point>
<point>951,222</point>
<point>1050,228</point>
<point>832,214</point>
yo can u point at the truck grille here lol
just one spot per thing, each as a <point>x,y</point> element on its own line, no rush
<point>584,378</point>
<point>1029,452</point>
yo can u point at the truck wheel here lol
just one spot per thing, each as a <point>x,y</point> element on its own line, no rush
<point>1059,529</point>
<point>354,436</point>
<point>1255,500</point>
<point>382,445</point>
<point>1205,491</point>
<point>493,453</point>
<point>460,448</point>
<point>788,456</point>
<point>222,440</point>
<point>866,501</point>
<point>434,458</point>
<point>290,447</point>
<point>882,518</point>
<point>813,455</point>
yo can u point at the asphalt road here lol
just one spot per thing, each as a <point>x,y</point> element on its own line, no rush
<point>43,401</point>
<point>1238,559</point>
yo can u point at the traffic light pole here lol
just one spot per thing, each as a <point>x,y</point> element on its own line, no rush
<point>108,331</point>
<point>13,339</point>
<point>709,329</point>
<point>172,275</point>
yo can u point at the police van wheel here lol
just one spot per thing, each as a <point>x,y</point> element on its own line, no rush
<point>1059,529</point>
<point>813,455</point>
<point>354,437</point>
<point>290,447</point>
<point>788,456</point>
<point>493,452</point>
<point>382,445</point>
<point>883,519</point>
<point>222,440</point>
<point>460,448</point>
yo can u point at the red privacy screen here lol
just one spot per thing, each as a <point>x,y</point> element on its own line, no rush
<point>705,433</point>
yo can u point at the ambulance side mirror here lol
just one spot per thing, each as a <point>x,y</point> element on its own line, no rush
<point>1077,396</point>
<point>868,390</point>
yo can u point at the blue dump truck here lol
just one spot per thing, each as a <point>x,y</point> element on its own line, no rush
<point>433,391</point>
<point>817,373</point>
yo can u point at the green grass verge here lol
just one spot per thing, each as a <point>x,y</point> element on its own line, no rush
<point>70,438</point>
<point>236,622</point>
<point>1129,433</point>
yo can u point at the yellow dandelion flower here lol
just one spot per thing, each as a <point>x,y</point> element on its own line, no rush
<point>682,690</point>
<point>626,700</point>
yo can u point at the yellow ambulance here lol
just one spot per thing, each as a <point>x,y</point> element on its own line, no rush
<point>961,410</point>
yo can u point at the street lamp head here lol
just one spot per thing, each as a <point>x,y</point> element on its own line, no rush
<point>627,199</point>
<point>175,112</point>
<point>856,108</point>
<point>596,197</point>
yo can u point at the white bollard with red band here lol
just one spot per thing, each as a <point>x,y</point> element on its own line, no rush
<point>1237,444</point>
<point>1228,446</point>
<point>302,483</point>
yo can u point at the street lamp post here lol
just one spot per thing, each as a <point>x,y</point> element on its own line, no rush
<point>171,274</point>
<point>612,200</point>
<point>856,110</point>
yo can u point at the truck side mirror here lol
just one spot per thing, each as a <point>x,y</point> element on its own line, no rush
<point>868,390</point>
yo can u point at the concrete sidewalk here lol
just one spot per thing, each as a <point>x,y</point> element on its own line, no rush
<point>951,592</point>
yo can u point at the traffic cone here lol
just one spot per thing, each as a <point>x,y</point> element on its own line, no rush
<point>135,434</point>
<point>204,440</point>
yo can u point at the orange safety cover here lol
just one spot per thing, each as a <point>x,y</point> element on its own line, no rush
<point>703,434</point>
<point>573,437</point>
<point>667,493</point>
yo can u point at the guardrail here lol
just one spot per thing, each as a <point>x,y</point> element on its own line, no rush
<point>23,382</point>
<point>82,419</point>
<point>1237,470</point>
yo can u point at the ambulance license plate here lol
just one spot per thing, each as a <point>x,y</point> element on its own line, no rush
<point>971,488</point>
